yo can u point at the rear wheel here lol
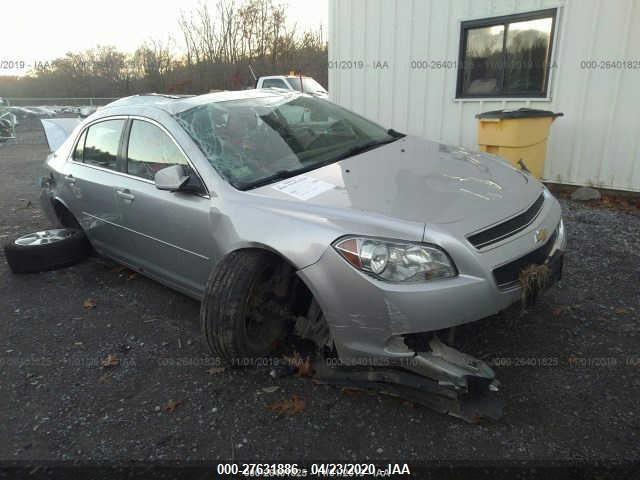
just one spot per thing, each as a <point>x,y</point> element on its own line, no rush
<point>245,312</point>
<point>46,250</point>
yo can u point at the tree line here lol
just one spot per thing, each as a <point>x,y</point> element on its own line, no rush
<point>219,46</point>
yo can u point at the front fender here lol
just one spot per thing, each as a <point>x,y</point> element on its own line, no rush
<point>301,235</point>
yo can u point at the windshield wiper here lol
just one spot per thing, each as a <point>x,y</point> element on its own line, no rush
<point>395,133</point>
<point>279,175</point>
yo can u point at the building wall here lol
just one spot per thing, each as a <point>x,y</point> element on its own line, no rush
<point>597,142</point>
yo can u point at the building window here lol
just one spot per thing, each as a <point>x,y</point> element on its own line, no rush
<point>506,56</point>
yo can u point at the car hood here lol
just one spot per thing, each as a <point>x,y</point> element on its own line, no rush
<point>415,180</point>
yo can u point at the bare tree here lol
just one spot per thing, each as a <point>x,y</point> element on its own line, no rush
<point>219,39</point>
<point>154,61</point>
<point>188,29</point>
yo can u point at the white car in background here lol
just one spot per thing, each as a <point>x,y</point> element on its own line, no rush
<point>293,82</point>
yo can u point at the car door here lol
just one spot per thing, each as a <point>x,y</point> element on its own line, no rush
<point>168,231</point>
<point>90,179</point>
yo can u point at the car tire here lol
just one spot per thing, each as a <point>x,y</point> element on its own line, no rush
<point>46,250</point>
<point>227,307</point>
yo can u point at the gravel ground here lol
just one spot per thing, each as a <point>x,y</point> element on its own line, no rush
<point>569,368</point>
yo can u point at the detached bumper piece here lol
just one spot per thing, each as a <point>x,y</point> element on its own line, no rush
<point>443,379</point>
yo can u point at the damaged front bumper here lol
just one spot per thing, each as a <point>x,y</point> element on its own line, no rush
<point>443,379</point>
<point>372,322</point>
<point>370,318</point>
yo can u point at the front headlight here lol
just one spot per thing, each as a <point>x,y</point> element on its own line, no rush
<point>396,261</point>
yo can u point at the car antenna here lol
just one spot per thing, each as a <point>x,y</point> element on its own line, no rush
<point>253,74</point>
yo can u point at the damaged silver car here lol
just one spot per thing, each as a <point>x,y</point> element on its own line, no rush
<point>287,214</point>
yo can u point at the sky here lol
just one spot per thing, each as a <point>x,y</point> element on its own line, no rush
<point>41,30</point>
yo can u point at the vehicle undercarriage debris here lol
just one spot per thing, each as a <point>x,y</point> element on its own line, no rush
<point>436,376</point>
<point>445,380</point>
<point>441,378</point>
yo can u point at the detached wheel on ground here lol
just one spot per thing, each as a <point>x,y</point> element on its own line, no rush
<point>245,312</point>
<point>46,250</point>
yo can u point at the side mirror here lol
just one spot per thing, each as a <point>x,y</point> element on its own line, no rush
<point>171,178</point>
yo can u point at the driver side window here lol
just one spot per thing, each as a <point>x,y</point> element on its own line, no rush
<point>150,150</point>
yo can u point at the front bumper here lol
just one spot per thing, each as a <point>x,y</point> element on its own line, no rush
<point>369,318</point>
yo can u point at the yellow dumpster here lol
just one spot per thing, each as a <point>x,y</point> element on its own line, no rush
<point>519,136</point>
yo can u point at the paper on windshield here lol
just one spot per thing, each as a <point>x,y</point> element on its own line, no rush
<point>303,187</point>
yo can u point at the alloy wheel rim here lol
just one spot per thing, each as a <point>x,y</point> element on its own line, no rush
<point>43,237</point>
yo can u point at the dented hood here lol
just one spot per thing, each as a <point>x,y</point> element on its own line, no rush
<point>417,180</point>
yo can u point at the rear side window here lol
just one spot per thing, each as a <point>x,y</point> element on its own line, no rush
<point>274,83</point>
<point>150,150</point>
<point>101,144</point>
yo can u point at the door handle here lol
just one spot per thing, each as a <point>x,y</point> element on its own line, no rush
<point>70,179</point>
<point>125,194</point>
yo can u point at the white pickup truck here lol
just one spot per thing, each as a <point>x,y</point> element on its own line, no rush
<point>291,82</point>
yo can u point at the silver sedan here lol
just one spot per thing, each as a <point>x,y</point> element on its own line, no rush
<point>284,213</point>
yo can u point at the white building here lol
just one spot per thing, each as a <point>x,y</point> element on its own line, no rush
<point>398,62</point>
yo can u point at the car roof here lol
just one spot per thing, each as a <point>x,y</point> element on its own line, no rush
<point>266,77</point>
<point>145,99</point>
<point>174,104</point>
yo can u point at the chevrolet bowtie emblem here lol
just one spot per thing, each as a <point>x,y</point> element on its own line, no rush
<point>541,235</point>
